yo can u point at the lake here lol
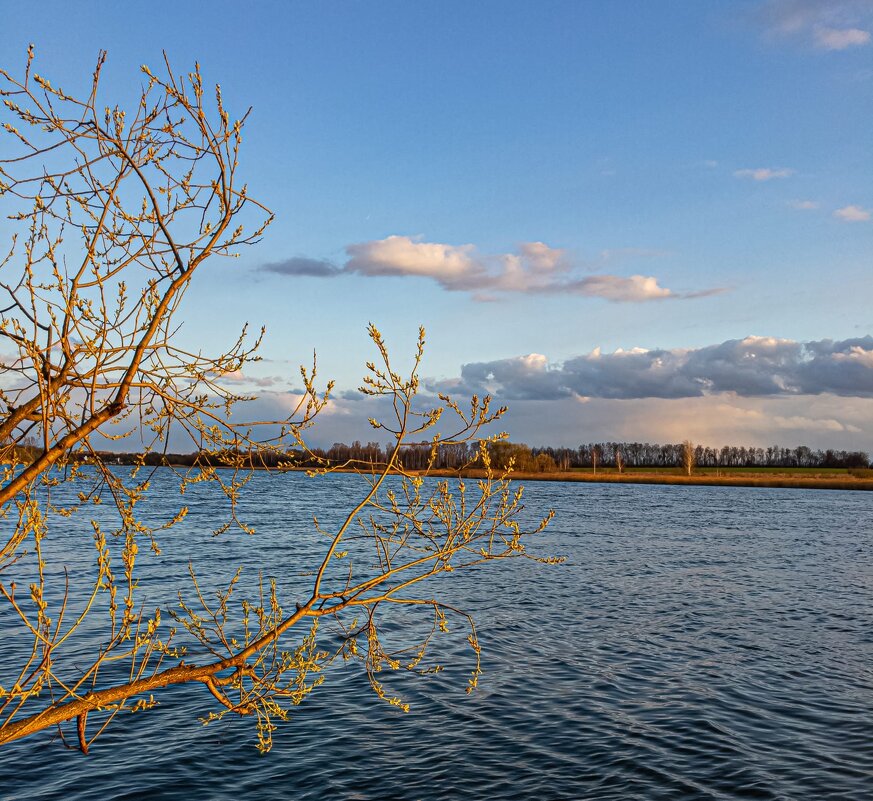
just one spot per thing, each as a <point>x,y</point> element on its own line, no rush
<point>699,642</point>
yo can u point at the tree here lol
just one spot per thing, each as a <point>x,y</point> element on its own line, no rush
<point>688,456</point>
<point>113,213</point>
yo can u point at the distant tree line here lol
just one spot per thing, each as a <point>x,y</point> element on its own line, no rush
<point>636,454</point>
<point>617,455</point>
<point>23,451</point>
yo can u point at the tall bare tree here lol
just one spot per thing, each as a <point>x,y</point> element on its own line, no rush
<point>688,455</point>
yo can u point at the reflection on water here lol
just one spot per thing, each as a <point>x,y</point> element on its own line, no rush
<point>700,642</point>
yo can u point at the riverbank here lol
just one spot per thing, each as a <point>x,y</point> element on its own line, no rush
<point>786,479</point>
<point>783,478</point>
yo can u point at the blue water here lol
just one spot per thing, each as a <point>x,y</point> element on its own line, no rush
<point>699,642</point>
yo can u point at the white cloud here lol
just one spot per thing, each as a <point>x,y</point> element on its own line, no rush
<point>830,25</point>
<point>804,205</point>
<point>764,173</point>
<point>853,214</point>
<point>533,268</point>
<point>542,258</point>
<point>534,361</point>
<point>634,289</point>
<point>840,39</point>
<point>856,355</point>
<point>401,255</point>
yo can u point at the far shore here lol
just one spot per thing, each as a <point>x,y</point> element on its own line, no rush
<point>784,478</point>
<point>767,477</point>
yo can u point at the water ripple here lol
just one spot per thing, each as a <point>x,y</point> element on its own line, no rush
<point>701,642</point>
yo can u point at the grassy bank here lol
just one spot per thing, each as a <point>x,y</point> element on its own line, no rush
<point>835,478</point>
<point>795,478</point>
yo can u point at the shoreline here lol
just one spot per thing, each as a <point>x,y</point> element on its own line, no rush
<point>771,481</point>
<point>839,481</point>
<point>765,480</point>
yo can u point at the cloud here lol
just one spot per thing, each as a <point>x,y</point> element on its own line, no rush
<point>534,267</point>
<point>752,391</point>
<point>298,265</point>
<point>453,266</point>
<point>803,205</point>
<point>840,39</point>
<point>800,422</point>
<point>823,24</point>
<point>635,289</point>
<point>239,378</point>
<point>764,173</point>
<point>853,214</point>
<point>750,367</point>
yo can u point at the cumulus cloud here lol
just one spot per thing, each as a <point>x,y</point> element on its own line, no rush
<point>804,205</point>
<point>750,367</point>
<point>534,267</point>
<point>852,214</point>
<point>453,266</point>
<point>754,391</point>
<point>764,173</point>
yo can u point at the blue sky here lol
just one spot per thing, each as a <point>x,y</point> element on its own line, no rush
<point>553,178</point>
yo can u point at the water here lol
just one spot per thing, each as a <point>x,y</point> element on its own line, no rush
<point>700,642</point>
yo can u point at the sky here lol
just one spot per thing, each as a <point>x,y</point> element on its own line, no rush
<point>641,220</point>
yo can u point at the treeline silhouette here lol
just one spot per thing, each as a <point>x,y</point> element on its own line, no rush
<point>526,459</point>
